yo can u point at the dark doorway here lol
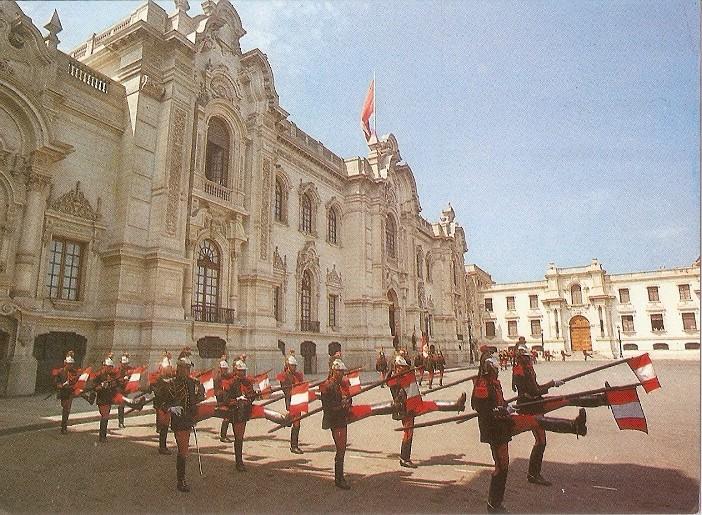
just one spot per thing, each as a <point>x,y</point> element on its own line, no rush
<point>309,353</point>
<point>281,346</point>
<point>50,350</point>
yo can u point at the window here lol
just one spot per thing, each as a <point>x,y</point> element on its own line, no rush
<point>558,326</point>
<point>512,328</point>
<point>653,294</point>
<point>420,266</point>
<point>692,346</point>
<point>533,302</point>
<point>207,284</point>
<point>430,325</point>
<point>306,224</point>
<point>217,155</point>
<point>453,271</point>
<point>660,346</point>
<point>510,303</point>
<point>490,329</point>
<point>390,231</point>
<point>488,304</point>
<point>689,322</point>
<point>306,297</point>
<point>631,346</point>
<point>624,296</point>
<point>536,327</point>
<point>657,322</point>
<point>428,269</point>
<point>63,279</point>
<point>332,310</point>
<point>576,294</point>
<point>684,290</point>
<point>279,204</point>
<point>331,226</point>
<point>628,323</point>
<point>276,304</point>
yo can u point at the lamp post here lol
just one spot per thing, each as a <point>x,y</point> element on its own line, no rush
<point>619,337</point>
<point>543,349</point>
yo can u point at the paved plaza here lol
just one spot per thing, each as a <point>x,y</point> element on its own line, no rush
<point>608,471</point>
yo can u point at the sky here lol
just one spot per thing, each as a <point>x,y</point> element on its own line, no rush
<point>559,131</point>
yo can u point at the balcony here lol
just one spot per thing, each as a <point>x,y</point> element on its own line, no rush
<point>215,314</point>
<point>309,326</point>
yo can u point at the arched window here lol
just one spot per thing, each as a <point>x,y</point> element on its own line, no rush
<point>390,236</point>
<point>576,295</point>
<point>207,285</point>
<point>278,204</point>
<point>331,226</point>
<point>306,299</point>
<point>217,156</point>
<point>306,224</point>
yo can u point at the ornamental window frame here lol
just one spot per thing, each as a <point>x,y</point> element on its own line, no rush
<point>60,275</point>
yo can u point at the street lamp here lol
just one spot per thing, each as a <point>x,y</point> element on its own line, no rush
<point>619,337</point>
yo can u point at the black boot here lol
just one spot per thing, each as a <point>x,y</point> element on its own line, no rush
<point>294,440</point>
<point>339,480</point>
<point>162,447</point>
<point>591,401</point>
<point>180,472</point>
<point>496,493</point>
<point>223,431</point>
<point>405,455</point>
<point>103,430</point>
<point>535,460</point>
<point>64,423</point>
<point>238,452</point>
<point>576,426</point>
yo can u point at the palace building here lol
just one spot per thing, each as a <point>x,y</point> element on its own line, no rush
<point>155,194</point>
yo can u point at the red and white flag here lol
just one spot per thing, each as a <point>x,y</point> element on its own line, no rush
<point>134,382</point>
<point>354,382</point>
<point>368,110</point>
<point>262,385</point>
<point>627,409</point>
<point>299,399</point>
<point>80,384</point>
<point>207,381</point>
<point>643,368</point>
<point>359,412</point>
<point>409,383</point>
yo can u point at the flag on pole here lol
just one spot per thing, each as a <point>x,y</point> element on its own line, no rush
<point>368,110</point>
<point>299,399</point>
<point>80,384</point>
<point>643,368</point>
<point>359,412</point>
<point>627,409</point>
<point>207,381</point>
<point>354,382</point>
<point>409,383</point>
<point>262,385</point>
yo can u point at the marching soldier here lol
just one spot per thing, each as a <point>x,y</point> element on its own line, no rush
<point>288,378</point>
<point>336,403</point>
<point>164,377</point>
<point>123,373</point>
<point>242,394</point>
<point>441,366</point>
<point>221,384</point>
<point>106,385</point>
<point>381,365</point>
<point>65,382</point>
<point>180,398</point>
<point>430,364</point>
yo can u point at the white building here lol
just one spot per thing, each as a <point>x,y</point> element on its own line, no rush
<point>585,308</point>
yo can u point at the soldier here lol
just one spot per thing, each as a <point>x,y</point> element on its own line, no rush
<point>164,377</point>
<point>441,366</point>
<point>430,364</point>
<point>419,366</point>
<point>221,384</point>
<point>336,403</point>
<point>333,358</point>
<point>106,386</point>
<point>180,398</point>
<point>123,372</point>
<point>381,365</point>
<point>288,378</point>
<point>242,394</point>
<point>65,382</point>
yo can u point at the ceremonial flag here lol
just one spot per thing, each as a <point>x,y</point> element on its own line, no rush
<point>134,381</point>
<point>207,381</point>
<point>258,411</point>
<point>359,411</point>
<point>205,410</point>
<point>314,394</point>
<point>408,382</point>
<point>354,382</point>
<point>80,384</point>
<point>299,399</point>
<point>368,110</point>
<point>643,368</point>
<point>262,385</point>
<point>627,409</point>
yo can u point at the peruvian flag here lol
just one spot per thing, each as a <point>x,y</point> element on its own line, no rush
<point>207,381</point>
<point>643,368</point>
<point>409,383</point>
<point>299,399</point>
<point>626,409</point>
<point>314,394</point>
<point>354,382</point>
<point>368,110</point>
<point>134,380</point>
<point>262,385</point>
<point>80,384</point>
<point>359,412</point>
<point>118,399</point>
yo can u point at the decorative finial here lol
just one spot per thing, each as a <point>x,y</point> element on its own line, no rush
<point>54,27</point>
<point>182,5</point>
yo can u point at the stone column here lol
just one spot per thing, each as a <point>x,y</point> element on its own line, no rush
<point>188,278</point>
<point>29,246</point>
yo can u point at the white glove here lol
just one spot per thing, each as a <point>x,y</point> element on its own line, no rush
<point>176,410</point>
<point>558,382</point>
<point>242,398</point>
<point>65,384</point>
<point>511,410</point>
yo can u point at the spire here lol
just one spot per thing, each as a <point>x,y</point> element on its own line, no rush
<point>182,5</point>
<point>54,27</point>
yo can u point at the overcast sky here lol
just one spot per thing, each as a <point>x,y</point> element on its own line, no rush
<point>559,131</point>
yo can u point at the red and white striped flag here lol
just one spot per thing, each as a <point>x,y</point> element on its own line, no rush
<point>367,110</point>
<point>354,382</point>
<point>80,384</point>
<point>299,399</point>
<point>207,381</point>
<point>359,412</point>
<point>134,382</point>
<point>643,368</point>
<point>627,409</point>
<point>262,385</point>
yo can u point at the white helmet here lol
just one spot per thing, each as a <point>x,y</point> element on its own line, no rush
<point>69,359</point>
<point>125,359</point>
<point>522,349</point>
<point>492,363</point>
<point>223,364</point>
<point>108,362</point>
<point>166,362</point>
<point>292,360</point>
<point>338,365</point>
<point>400,361</point>
<point>185,360</point>
<point>240,365</point>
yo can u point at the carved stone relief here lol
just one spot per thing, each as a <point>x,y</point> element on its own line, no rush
<point>74,203</point>
<point>175,167</point>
